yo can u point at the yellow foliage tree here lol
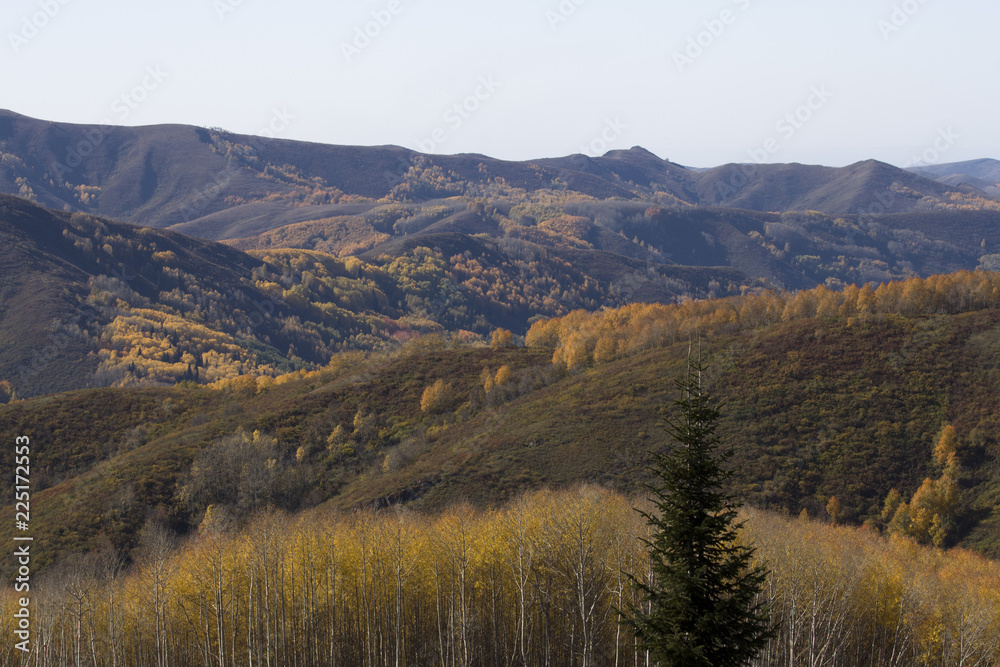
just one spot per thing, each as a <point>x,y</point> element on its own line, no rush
<point>833,509</point>
<point>501,338</point>
<point>945,450</point>
<point>436,397</point>
<point>504,375</point>
<point>581,338</point>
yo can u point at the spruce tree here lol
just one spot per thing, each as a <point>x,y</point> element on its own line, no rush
<point>702,605</point>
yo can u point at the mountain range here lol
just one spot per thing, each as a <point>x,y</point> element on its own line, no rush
<point>184,176</point>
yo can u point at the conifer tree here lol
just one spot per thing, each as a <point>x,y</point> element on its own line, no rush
<point>703,604</point>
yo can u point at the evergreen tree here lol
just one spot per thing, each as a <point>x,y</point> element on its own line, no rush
<point>702,605</point>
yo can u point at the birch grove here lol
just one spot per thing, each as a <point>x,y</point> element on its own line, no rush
<point>537,582</point>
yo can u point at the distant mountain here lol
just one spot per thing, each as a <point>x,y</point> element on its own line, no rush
<point>169,174</point>
<point>834,191</point>
<point>215,184</point>
<point>983,174</point>
<point>986,169</point>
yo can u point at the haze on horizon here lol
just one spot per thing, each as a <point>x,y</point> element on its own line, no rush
<point>699,84</point>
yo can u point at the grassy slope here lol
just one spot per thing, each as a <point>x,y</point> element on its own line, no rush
<point>813,408</point>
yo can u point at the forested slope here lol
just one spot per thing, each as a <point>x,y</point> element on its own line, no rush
<point>819,405</point>
<point>88,302</point>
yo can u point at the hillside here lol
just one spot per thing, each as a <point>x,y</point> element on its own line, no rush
<point>68,278</point>
<point>629,244</point>
<point>93,302</point>
<point>816,406</point>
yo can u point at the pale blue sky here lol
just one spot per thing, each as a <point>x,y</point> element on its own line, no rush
<point>553,87</point>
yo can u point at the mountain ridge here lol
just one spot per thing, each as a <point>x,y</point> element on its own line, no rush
<point>169,174</point>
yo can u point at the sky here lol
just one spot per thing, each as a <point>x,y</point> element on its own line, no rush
<point>701,83</point>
